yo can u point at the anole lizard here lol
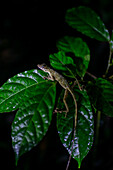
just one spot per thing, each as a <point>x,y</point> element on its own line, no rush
<point>53,75</point>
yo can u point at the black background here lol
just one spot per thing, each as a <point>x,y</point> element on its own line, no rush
<point>28,34</point>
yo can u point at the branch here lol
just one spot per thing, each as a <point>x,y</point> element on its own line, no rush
<point>91,75</point>
<point>109,61</point>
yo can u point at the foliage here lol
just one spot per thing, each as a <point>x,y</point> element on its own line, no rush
<point>88,22</point>
<point>85,128</point>
<point>34,97</point>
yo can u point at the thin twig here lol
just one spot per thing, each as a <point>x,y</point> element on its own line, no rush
<point>67,167</point>
<point>109,62</point>
<point>97,126</point>
<point>78,84</point>
<point>75,125</point>
<point>91,75</point>
<point>111,77</point>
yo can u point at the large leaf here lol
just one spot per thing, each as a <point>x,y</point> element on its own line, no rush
<point>85,126</point>
<point>12,92</point>
<point>101,94</point>
<point>80,50</point>
<point>35,98</point>
<point>60,61</point>
<point>88,22</point>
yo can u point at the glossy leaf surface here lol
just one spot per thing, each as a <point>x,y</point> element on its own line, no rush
<point>35,98</point>
<point>12,92</point>
<point>80,50</point>
<point>88,22</point>
<point>101,94</point>
<point>85,126</point>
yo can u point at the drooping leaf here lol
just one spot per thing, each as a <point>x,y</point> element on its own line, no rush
<point>35,98</point>
<point>85,126</point>
<point>88,22</point>
<point>80,50</point>
<point>101,94</point>
<point>60,61</point>
<point>33,119</point>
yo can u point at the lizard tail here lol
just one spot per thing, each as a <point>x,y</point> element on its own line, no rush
<point>75,125</point>
<point>75,108</point>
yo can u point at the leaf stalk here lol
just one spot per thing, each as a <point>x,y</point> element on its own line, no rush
<point>109,61</point>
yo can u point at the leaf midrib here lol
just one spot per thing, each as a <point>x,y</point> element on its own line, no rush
<point>33,117</point>
<point>20,91</point>
<point>90,25</point>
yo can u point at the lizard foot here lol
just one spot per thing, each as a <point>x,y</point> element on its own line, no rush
<point>61,111</point>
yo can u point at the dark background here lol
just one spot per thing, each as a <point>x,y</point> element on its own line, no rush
<point>28,34</point>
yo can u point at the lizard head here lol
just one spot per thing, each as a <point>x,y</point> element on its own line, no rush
<point>42,67</point>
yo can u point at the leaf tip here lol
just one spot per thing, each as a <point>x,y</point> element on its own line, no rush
<point>79,165</point>
<point>16,161</point>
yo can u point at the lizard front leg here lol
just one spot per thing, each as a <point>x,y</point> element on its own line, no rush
<point>50,77</point>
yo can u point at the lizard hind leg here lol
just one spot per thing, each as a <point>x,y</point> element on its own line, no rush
<point>64,100</point>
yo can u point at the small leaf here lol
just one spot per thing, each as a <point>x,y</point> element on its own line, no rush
<point>85,126</point>
<point>88,22</point>
<point>60,61</point>
<point>80,49</point>
<point>101,95</point>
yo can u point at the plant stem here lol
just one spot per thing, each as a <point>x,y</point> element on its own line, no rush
<point>97,126</point>
<point>111,77</point>
<point>95,153</point>
<point>91,75</point>
<point>109,61</point>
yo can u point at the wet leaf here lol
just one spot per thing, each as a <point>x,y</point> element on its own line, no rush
<point>18,88</point>
<point>85,126</point>
<point>88,22</point>
<point>34,98</point>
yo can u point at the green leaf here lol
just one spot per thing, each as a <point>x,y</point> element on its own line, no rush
<point>85,127</point>
<point>60,61</point>
<point>80,49</point>
<point>12,92</point>
<point>101,95</point>
<point>33,119</point>
<point>35,99</point>
<point>85,20</point>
